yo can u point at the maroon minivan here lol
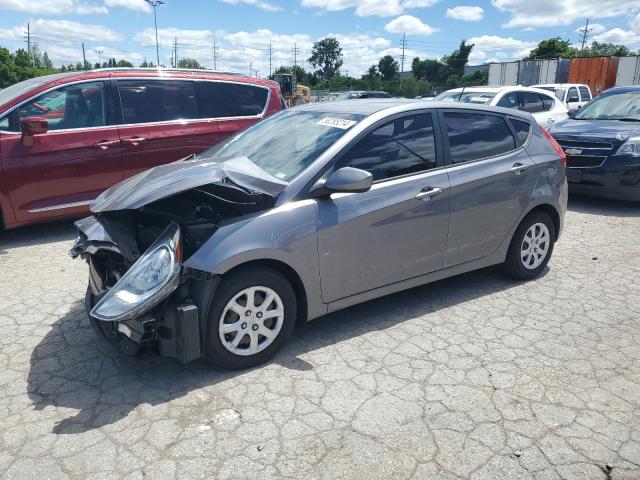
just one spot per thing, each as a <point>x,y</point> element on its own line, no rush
<point>65,138</point>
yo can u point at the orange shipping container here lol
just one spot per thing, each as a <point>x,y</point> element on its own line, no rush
<point>597,72</point>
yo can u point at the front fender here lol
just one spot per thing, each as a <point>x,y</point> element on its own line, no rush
<point>286,234</point>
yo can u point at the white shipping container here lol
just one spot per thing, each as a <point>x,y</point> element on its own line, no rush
<point>548,70</point>
<point>628,71</point>
<point>503,74</point>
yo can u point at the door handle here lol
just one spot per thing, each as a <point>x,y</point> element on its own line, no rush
<point>135,141</point>
<point>104,144</point>
<point>518,167</point>
<point>428,192</point>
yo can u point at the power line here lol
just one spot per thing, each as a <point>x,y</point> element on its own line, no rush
<point>584,33</point>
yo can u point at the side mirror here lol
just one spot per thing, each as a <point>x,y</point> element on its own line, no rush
<point>344,180</point>
<point>33,126</point>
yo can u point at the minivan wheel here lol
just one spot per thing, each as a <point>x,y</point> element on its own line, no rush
<point>252,314</point>
<point>531,246</point>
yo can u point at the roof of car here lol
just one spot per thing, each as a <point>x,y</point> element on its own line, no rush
<point>370,106</point>
<point>494,89</point>
<point>540,85</point>
<point>629,89</point>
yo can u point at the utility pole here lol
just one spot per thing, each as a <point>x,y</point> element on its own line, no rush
<point>27,39</point>
<point>270,58</point>
<point>584,33</point>
<point>175,52</point>
<point>404,40</point>
<point>215,56</point>
<point>99,52</point>
<point>250,68</point>
<point>84,58</point>
<point>296,50</point>
<point>155,4</point>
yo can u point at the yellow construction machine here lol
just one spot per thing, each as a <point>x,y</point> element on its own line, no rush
<point>294,93</point>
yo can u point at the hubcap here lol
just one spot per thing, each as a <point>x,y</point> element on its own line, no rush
<point>535,246</point>
<point>251,320</point>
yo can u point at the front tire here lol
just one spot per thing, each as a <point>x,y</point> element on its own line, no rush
<point>253,312</point>
<point>531,246</point>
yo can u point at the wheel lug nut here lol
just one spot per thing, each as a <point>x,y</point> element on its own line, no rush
<point>259,315</point>
<point>244,325</point>
<point>254,327</point>
<point>247,313</point>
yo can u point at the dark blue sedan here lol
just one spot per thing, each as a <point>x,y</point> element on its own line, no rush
<point>602,144</point>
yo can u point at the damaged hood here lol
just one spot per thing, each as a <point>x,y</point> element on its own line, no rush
<point>167,180</point>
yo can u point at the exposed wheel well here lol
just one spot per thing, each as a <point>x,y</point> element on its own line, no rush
<point>553,213</point>
<point>289,273</point>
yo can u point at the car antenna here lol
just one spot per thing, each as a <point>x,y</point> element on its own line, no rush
<point>461,93</point>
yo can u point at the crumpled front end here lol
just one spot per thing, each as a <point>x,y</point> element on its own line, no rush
<point>140,294</point>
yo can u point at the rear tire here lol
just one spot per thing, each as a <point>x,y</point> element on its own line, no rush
<point>253,313</point>
<point>531,246</point>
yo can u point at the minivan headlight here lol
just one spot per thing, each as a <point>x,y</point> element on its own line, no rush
<point>149,281</point>
<point>630,147</point>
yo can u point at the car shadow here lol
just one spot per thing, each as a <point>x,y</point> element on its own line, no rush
<point>600,206</point>
<point>72,368</point>
<point>36,235</point>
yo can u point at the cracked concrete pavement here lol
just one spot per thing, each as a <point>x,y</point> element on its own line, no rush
<point>473,377</point>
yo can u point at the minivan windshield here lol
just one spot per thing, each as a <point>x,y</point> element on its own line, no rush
<point>285,144</point>
<point>465,97</point>
<point>621,106</point>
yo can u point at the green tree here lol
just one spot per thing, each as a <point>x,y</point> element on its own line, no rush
<point>388,67</point>
<point>124,63</point>
<point>459,58</point>
<point>326,55</point>
<point>553,48</point>
<point>189,63</point>
<point>46,62</point>
<point>8,74</point>
<point>373,71</point>
<point>606,50</point>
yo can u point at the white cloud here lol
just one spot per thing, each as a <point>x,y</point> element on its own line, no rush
<point>166,36</point>
<point>550,13</point>
<point>365,8</point>
<point>504,48</point>
<point>62,31</point>
<point>594,28</point>
<point>270,7</point>
<point>618,36</point>
<point>466,13</point>
<point>52,7</point>
<point>635,23</point>
<point>410,25</point>
<point>139,5</point>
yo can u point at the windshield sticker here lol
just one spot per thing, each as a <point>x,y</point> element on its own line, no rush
<point>281,175</point>
<point>337,123</point>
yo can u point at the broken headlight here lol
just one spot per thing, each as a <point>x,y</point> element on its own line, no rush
<point>149,281</point>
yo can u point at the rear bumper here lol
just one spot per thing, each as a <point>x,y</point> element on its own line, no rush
<point>618,178</point>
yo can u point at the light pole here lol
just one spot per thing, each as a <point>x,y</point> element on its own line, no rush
<point>155,4</point>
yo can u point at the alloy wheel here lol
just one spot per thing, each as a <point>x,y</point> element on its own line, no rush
<point>535,246</point>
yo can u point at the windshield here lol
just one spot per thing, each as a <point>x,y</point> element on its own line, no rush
<point>557,91</point>
<point>347,96</point>
<point>285,144</point>
<point>621,106</point>
<point>465,97</point>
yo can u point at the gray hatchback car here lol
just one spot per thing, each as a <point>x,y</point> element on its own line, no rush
<point>310,211</point>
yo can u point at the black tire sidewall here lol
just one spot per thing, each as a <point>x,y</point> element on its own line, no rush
<point>513,262</point>
<point>229,287</point>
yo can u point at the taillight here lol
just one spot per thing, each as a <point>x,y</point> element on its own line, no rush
<point>556,147</point>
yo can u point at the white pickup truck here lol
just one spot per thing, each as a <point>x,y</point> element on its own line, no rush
<point>573,95</point>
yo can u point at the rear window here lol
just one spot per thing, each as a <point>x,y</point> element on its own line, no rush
<point>522,130</point>
<point>146,101</point>
<point>473,136</point>
<point>531,102</point>
<point>585,94</point>
<point>221,99</point>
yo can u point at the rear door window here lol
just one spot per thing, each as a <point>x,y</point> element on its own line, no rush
<point>399,147</point>
<point>531,102</point>
<point>522,130</point>
<point>510,100</point>
<point>147,101</point>
<point>547,102</point>
<point>585,94</point>
<point>224,99</point>
<point>475,135</point>
<point>572,96</point>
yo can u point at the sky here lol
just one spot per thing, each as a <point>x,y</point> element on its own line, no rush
<point>242,30</point>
